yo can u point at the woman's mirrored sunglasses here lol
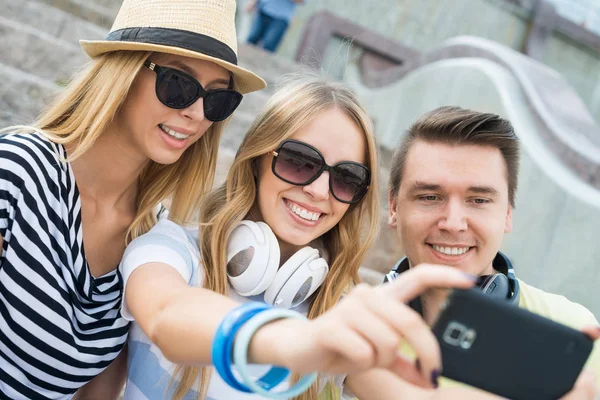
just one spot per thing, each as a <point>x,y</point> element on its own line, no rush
<point>301,164</point>
<point>176,89</point>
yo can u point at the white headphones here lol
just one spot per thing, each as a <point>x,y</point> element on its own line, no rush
<point>253,267</point>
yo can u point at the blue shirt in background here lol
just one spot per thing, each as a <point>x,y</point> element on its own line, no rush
<point>280,9</point>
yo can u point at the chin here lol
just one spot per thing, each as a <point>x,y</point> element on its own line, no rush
<point>294,238</point>
<point>165,159</point>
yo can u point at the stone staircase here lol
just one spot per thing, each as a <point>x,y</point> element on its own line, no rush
<point>39,51</point>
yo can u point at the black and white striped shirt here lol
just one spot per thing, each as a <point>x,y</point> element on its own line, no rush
<point>59,326</point>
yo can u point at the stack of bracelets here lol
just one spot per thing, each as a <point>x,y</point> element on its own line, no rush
<point>231,343</point>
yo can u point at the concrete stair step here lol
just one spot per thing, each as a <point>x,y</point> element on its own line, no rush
<point>268,66</point>
<point>254,102</point>
<point>51,20</point>
<point>112,5</point>
<point>224,161</point>
<point>38,53</point>
<point>95,11</point>
<point>236,129</point>
<point>22,96</point>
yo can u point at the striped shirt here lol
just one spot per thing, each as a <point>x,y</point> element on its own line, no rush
<point>59,325</point>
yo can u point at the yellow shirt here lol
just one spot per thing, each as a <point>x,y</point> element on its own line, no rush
<point>555,307</point>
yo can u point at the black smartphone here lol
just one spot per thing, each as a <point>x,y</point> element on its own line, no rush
<point>503,349</point>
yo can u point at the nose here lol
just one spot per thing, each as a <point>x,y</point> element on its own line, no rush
<point>319,188</point>
<point>195,111</point>
<point>454,218</point>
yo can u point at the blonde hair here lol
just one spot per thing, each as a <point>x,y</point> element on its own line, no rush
<point>347,243</point>
<point>84,110</point>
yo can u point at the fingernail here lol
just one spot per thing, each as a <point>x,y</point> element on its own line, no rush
<point>435,374</point>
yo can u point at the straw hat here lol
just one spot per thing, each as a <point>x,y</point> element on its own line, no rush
<point>203,29</point>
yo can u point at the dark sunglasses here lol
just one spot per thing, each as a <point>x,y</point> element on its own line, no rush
<point>176,89</point>
<point>301,164</point>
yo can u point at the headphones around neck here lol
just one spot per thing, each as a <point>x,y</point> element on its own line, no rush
<point>502,285</point>
<point>253,267</point>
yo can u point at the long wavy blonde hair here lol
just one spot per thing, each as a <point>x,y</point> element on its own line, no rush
<point>289,108</point>
<point>83,111</point>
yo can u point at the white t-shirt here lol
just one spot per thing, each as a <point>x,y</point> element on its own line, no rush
<point>149,372</point>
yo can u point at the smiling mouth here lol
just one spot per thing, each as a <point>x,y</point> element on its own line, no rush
<point>301,212</point>
<point>172,133</point>
<point>450,251</point>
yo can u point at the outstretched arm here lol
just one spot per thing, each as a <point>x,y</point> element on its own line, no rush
<point>359,333</point>
<point>180,319</point>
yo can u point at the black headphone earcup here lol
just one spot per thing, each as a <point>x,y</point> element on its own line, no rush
<point>496,285</point>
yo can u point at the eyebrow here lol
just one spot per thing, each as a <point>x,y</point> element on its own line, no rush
<point>420,186</point>
<point>483,190</point>
<point>190,71</point>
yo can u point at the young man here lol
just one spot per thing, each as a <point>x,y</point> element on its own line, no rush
<point>453,182</point>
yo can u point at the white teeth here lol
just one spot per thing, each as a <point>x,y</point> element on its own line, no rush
<point>451,251</point>
<point>302,213</point>
<point>172,133</point>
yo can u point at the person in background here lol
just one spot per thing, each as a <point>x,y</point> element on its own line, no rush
<point>271,21</point>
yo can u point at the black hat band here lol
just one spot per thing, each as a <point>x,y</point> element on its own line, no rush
<point>178,38</point>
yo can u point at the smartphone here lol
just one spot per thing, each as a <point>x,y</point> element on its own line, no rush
<point>503,349</point>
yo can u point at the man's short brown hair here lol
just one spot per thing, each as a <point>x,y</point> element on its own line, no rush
<point>458,126</point>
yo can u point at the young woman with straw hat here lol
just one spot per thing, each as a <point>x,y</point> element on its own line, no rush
<point>289,228</point>
<point>139,124</point>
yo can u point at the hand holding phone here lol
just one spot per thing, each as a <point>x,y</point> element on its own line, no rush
<point>505,350</point>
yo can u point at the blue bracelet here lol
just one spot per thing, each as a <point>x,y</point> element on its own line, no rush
<point>222,349</point>
<point>240,354</point>
<point>224,337</point>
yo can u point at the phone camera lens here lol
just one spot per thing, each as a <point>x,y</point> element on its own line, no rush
<point>455,334</point>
